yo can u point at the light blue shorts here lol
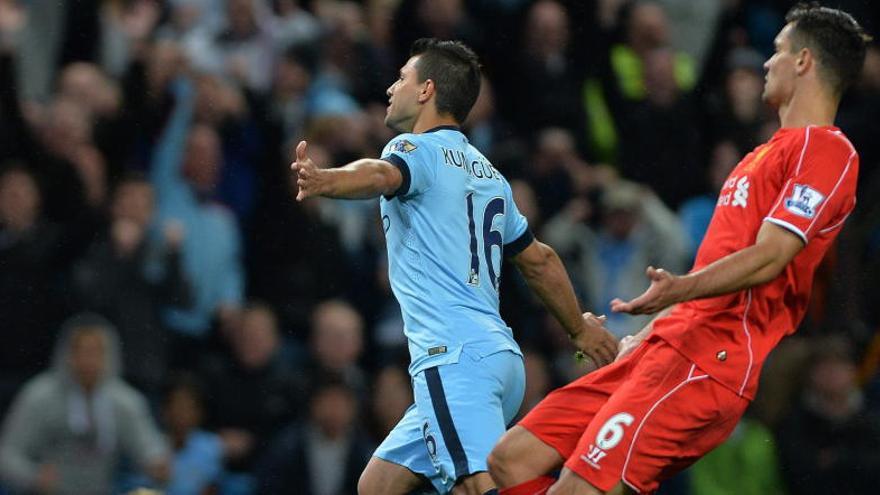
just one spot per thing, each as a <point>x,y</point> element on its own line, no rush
<point>460,411</point>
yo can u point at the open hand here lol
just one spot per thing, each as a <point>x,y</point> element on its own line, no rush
<point>665,290</point>
<point>309,178</point>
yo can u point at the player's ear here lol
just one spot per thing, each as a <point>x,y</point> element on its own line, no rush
<point>428,91</point>
<point>804,61</point>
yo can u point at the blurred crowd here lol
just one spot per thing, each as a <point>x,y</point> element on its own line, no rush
<point>172,318</point>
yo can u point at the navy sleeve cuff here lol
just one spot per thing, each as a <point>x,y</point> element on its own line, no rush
<point>401,165</point>
<point>512,249</point>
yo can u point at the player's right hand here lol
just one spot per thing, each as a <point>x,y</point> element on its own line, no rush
<point>595,341</point>
<point>665,290</point>
<point>309,178</point>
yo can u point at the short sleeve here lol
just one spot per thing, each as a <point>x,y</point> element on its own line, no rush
<point>819,192</point>
<point>517,234</point>
<point>415,161</point>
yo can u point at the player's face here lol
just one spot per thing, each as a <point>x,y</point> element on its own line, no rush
<point>781,70</point>
<point>403,98</point>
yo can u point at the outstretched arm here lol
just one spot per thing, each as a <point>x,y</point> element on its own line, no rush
<point>365,178</point>
<point>757,264</point>
<point>546,276</point>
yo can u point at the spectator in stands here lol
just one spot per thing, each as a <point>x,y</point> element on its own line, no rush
<point>745,464</point>
<point>287,103</point>
<point>223,107</point>
<point>198,454</point>
<point>830,443</point>
<point>56,145</point>
<point>858,115</point>
<point>548,77</point>
<point>351,63</point>
<point>620,78</point>
<point>244,50</point>
<point>255,393</point>
<point>101,98</point>
<point>646,29</point>
<point>337,342</point>
<point>662,130</point>
<point>325,454</point>
<point>29,294</point>
<point>296,256</point>
<point>442,19</point>
<point>612,258</point>
<point>128,274</point>
<point>193,25</point>
<point>693,26</point>
<point>549,171</point>
<point>484,127</point>
<point>185,170</point>
<point>66,133</point>
<point>126,27</point>
<point>737,112</point>
<point>390,398</point>
<point>70,426</point>
<point>293,25</point>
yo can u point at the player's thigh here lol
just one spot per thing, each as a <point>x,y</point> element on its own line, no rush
<point>465,408</point>
<point>401,462</point>
<point>667,415</point>
<point>521,456</point>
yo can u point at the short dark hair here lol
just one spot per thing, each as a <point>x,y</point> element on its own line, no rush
<point>455,70</point>
<point>837,41</point>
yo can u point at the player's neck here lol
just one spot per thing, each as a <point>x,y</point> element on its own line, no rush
<point>806,108</point>
<point>430,119</point>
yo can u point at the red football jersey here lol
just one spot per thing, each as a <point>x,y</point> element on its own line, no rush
<point>803,180</point>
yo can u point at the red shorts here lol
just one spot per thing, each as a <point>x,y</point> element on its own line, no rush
<point>639,420</point>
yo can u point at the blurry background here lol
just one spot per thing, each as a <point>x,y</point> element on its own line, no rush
<point>238,342</point>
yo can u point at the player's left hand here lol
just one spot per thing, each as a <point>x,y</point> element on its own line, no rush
<point>309,178</point>
<point>594,341</point>
<point>665,290</point>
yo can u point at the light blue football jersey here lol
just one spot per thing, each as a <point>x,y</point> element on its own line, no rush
<point>447,229</point>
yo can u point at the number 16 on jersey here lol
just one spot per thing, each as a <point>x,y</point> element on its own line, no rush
<point>490,237</point>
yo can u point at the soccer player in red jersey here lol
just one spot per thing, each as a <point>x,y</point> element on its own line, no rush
<point>680,385</point>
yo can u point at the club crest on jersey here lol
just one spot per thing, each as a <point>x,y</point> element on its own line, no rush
<point>804,200</point>
<point>403,146</point>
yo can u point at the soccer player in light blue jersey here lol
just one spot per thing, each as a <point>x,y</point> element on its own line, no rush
<point>449,220</point>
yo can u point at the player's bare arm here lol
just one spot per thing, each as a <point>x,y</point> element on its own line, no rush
<point>365,178</point>
<point>546,276</point>
<point>757,264</point>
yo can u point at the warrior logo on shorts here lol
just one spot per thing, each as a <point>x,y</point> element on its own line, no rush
<point>608,437</point>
